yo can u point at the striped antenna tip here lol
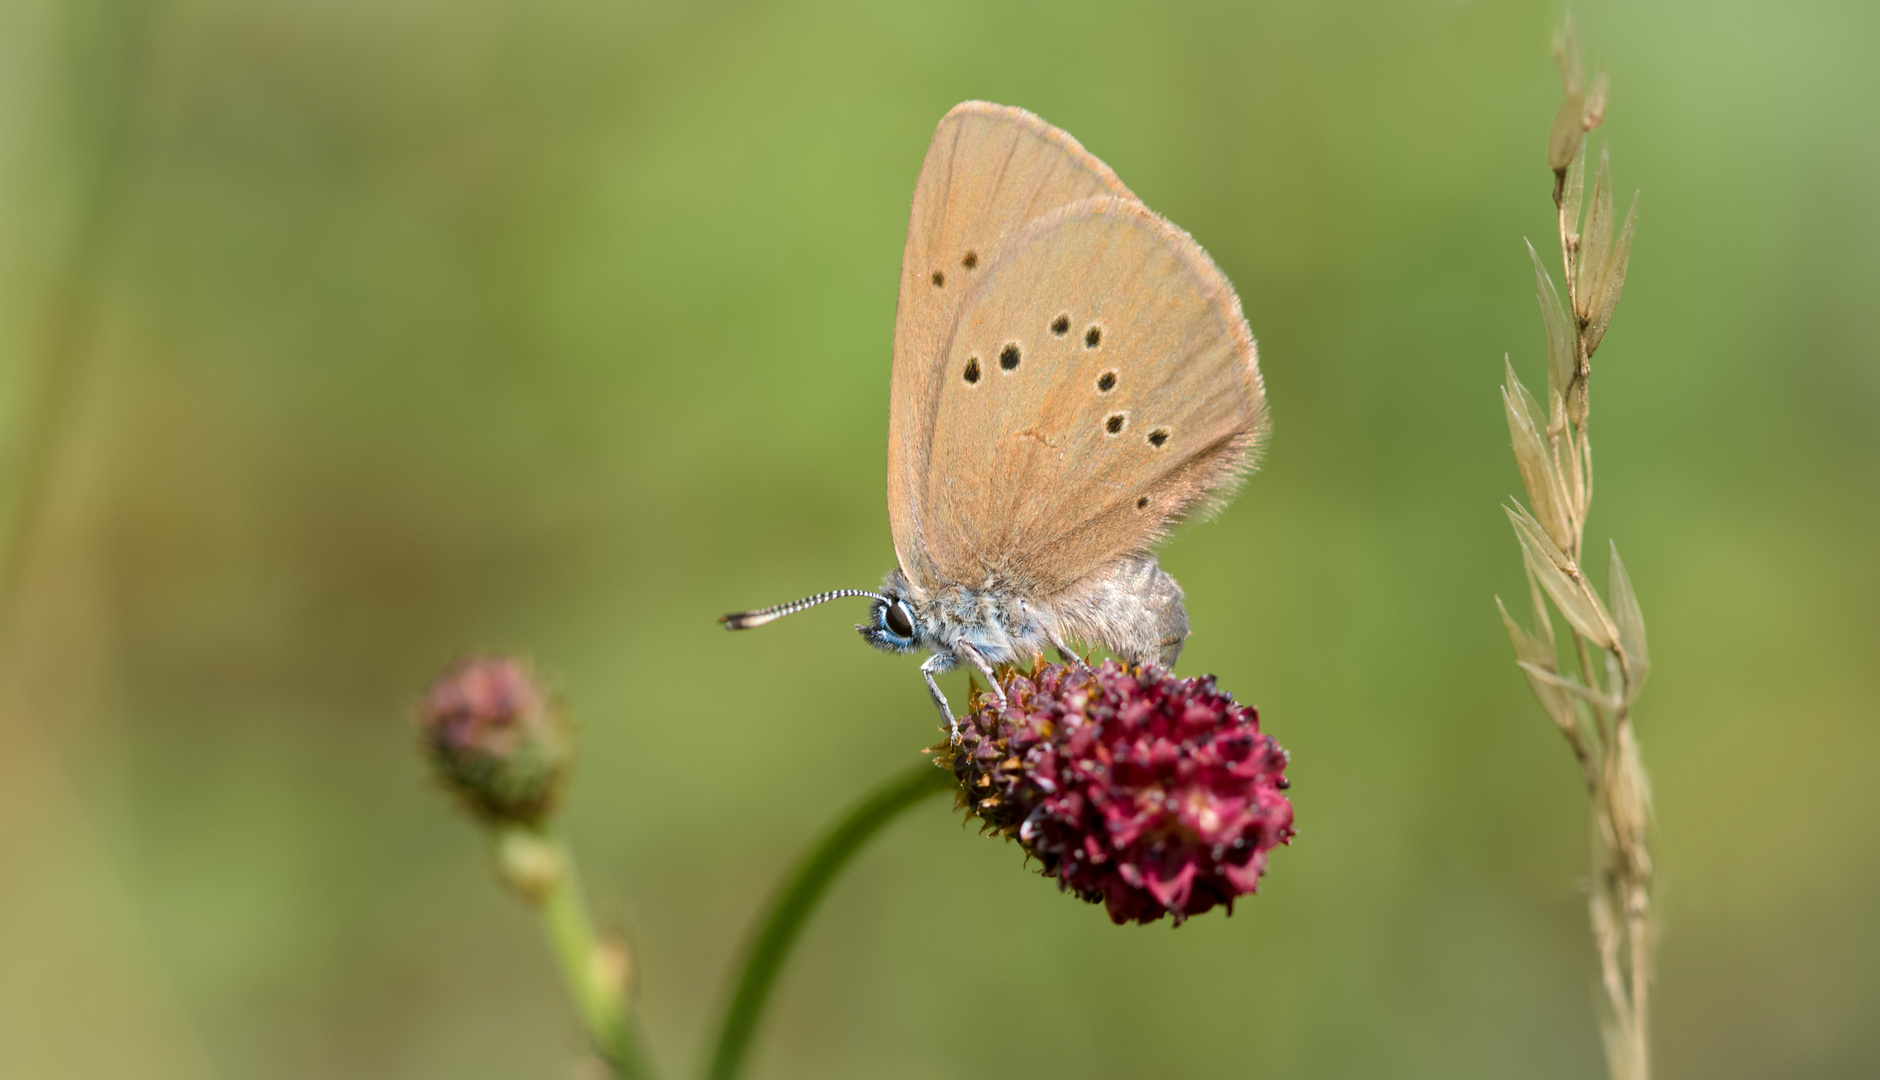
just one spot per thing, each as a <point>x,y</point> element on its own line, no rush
<point>746,620</point>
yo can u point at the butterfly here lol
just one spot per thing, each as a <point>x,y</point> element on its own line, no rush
<point>1072,377</point>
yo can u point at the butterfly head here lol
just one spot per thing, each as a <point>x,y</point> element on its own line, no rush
<point>893,623</point>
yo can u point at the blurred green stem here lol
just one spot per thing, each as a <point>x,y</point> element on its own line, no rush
<point>790,909</point>
<point>540,866</point>
<point>108,44</point>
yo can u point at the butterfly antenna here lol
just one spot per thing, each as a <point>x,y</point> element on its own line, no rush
<point>746,620</point>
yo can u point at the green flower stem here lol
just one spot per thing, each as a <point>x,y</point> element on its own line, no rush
<point>111,48</point>
<point>540,866</point>
<point>790,909</point>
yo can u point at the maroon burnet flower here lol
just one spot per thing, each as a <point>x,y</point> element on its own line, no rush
<point>1151,794</point>
<point>499,741</point>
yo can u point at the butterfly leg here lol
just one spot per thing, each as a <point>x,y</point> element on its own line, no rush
<point>974,657</point>
<point>1069,655</point>
<point>936,663</point>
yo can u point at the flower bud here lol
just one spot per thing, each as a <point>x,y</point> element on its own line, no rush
<point>497,740</point>
<point>1150,794</point>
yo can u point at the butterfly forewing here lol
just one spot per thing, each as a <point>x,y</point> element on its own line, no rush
<point>1098,382</point>
<point>990,172</point>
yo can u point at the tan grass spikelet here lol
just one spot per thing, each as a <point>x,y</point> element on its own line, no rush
<point>1561,361</point>
<point>1566,586</point>
<point>1540,473</point>
<point>1630,624</point>
<point>1572,196</point>
<point>1537,654</point>
<point>1610,282</point>
<point>1595,103</point>
<point>1563,139</point>
<point>1595,238</point>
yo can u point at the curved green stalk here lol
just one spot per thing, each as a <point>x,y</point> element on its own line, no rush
<point>790,909</point>
<point>539,866</point>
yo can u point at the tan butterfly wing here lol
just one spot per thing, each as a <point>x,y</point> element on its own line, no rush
<point>990,171</point>
<point>1098,383</point>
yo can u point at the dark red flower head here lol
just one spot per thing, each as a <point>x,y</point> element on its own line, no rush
<point>1155,795</point>
<point>497,739</point>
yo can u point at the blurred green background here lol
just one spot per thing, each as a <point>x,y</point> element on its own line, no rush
<point>356,334</point>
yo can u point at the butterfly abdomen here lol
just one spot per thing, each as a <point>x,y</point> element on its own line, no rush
<point>1130,607</point>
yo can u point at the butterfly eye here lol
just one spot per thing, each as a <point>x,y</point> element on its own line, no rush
<point>895,619</point>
